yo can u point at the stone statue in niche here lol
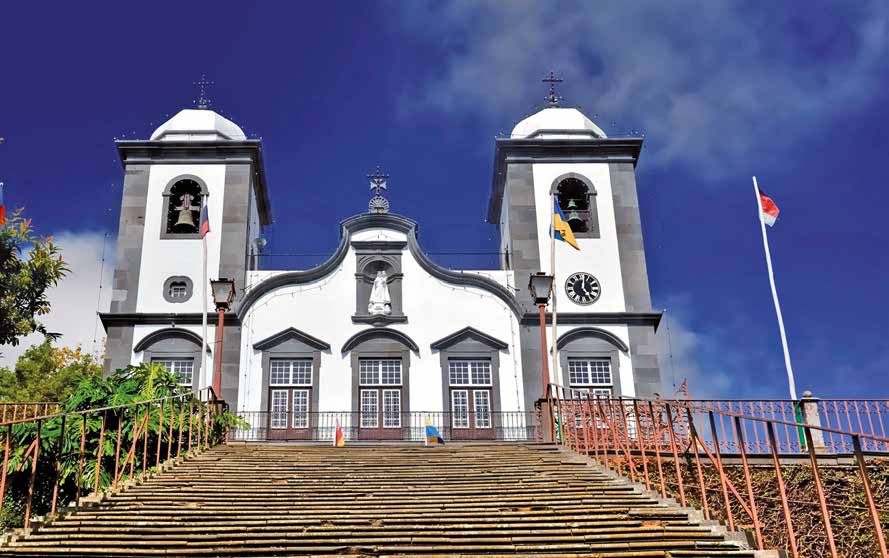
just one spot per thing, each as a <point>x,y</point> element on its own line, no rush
<point>380,304</point>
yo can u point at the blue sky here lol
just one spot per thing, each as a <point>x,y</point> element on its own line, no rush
<point>721,90</point>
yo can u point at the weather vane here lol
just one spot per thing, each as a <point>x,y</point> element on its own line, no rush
<point>552,98</point>
<point>378,183</point>
<point>203,102</point>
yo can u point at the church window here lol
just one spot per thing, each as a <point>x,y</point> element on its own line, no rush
<point>178,290</point>
<point>380,380</point>
<point>181,369</point>
<point>290,386</point>
<point>591,374</point>
<point>183,207</point>
<point>577,200</point>
<point>470,386</point>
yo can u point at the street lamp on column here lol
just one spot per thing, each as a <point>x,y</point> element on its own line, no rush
<point>223,293</point>
<point>541,287</point>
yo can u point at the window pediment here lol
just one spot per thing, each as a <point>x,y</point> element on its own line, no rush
<point>289,334</point>
<point>469,333</point>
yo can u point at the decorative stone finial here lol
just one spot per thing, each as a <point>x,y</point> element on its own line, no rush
<point>552,98</point>
<point>378,182</point>
<point>203,102</point>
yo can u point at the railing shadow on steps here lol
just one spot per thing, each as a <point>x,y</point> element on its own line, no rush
<point>66,456</point>
<point>651,441</point>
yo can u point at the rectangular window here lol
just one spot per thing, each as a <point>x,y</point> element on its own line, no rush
<point>369,408</point>
<point>590,372</point>
<point>290,372</point>
<point>375,372</point>
<point>391,408</point>
<point>178,290</point>
<point>469,372</point>
<point>279,408</point>
<point>460,408</point>
<point>300,408</point>
<point>482,406</point>
<point>181,369</point>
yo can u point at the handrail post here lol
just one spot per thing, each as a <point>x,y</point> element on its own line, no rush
<point>640,437</point>
<point>60,446</point>
<point>675,454</point>
<point>6,451</point>
<point>33,479</point>
<point>791,536</point>
<point>722,476</point>
<point>160,434</point>
<point>822,501</point>
<point>694,446</point>
<point>80,460</point>
<point>170,433</point>
<point>656,422</point>
<point>754,514</point>
<point>99,452</point>
<point>117,451</point>
<point>869,496</point>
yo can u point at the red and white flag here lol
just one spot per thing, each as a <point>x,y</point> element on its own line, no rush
<point>768,209</point>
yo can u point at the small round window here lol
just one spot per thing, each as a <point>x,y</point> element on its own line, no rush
<point>177,289</point>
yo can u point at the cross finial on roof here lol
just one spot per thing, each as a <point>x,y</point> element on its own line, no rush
<point>378,182</point>
<point>203,102</point>
<point>552,98</point>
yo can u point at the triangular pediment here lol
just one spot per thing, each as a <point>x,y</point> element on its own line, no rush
<point>468,333</point>
<point>289,334</point>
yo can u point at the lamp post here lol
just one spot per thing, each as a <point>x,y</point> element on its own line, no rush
<point>541,287</point>
<point>223,294</point>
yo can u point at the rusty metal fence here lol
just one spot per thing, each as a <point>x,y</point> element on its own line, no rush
<point>649,440</point>
<point>105,446</point>
<point>16,411</point>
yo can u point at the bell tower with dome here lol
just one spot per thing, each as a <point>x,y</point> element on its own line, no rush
<point>561,155</point>
<point>196,158</point>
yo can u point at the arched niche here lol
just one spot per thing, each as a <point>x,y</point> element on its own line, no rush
<point>577,198</point>
<point>371,258</point>
<point>173,192</point>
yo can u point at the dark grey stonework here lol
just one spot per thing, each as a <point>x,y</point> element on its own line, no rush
<point>125,284</point>
<point>118,347</point>
<point>231,364</point>
<point>631,248</point>
<point>525,259</point>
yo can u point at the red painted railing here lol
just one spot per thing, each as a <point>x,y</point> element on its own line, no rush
<point>113,439</point>
<point>644,439</point>
<point>16,411</point>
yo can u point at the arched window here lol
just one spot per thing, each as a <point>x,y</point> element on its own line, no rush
<point>577,198</point>
<point>182,207</point>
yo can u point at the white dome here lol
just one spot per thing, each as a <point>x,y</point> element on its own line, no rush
<point>557,123</point>
<point>198,125</point>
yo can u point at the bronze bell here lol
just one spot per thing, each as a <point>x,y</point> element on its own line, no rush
<point>574,217</point>
<point>185,222</point>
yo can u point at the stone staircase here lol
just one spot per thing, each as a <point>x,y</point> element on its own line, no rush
<point>395,500</point>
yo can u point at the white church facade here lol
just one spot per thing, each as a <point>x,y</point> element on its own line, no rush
<point>412,337</point>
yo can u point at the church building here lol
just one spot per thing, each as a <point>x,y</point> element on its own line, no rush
<point>412,338</point>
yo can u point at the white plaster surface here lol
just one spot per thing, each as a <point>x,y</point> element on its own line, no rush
<point>198,125</point>
<point>557,119</point>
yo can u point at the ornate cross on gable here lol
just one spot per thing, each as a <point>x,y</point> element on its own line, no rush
<point>203,102</point>
<point>552,98</point>
<point>378,183</point>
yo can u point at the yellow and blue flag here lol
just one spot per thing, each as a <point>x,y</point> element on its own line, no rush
<point>561,228</point>
<point>432,435</point>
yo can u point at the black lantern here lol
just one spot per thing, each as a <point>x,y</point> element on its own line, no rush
<point>541,287</point>
<point>223,292</point>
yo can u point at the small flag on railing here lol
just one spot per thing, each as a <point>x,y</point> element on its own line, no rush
<point>432,434</point>
<point>340,440</point>
<point>2,207</point>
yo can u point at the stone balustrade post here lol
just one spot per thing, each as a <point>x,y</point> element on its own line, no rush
<point>812,416</point>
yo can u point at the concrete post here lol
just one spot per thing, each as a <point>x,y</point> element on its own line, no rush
<point>811,416</point>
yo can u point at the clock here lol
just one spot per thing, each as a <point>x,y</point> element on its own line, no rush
<point>582,288</point>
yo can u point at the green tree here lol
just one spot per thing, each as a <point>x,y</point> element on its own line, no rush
<point>29,266</point>
<point>47,373</point>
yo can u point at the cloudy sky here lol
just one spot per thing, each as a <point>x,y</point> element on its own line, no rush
<point>720,91</point>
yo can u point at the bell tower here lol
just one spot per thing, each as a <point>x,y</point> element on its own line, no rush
<point>559,157</point>
<point>198,160</point>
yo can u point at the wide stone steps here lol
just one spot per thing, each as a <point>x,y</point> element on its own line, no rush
<point>459,500</point>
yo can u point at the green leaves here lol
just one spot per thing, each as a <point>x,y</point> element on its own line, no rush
<point>29,265</point>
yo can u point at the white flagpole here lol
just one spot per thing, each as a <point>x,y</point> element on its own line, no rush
<point>554,369</point>
<point>765,243</point>
<point>207,379</point>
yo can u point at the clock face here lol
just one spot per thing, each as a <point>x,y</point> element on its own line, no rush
<point>582,288</point>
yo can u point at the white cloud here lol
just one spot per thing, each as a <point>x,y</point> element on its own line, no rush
<point>707,82</point>
<point>75,299</point>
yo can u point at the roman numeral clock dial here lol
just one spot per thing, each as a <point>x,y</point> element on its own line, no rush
<point>582,288</point>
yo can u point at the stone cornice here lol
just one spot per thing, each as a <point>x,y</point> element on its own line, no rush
<point>142,152</point>
<point>598,318</point>
<point>111,319</point>
<point>538,150</point>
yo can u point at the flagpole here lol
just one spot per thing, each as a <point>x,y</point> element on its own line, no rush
<point>765,244</point>
<point>554,369</point>
<point>207,380</point>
